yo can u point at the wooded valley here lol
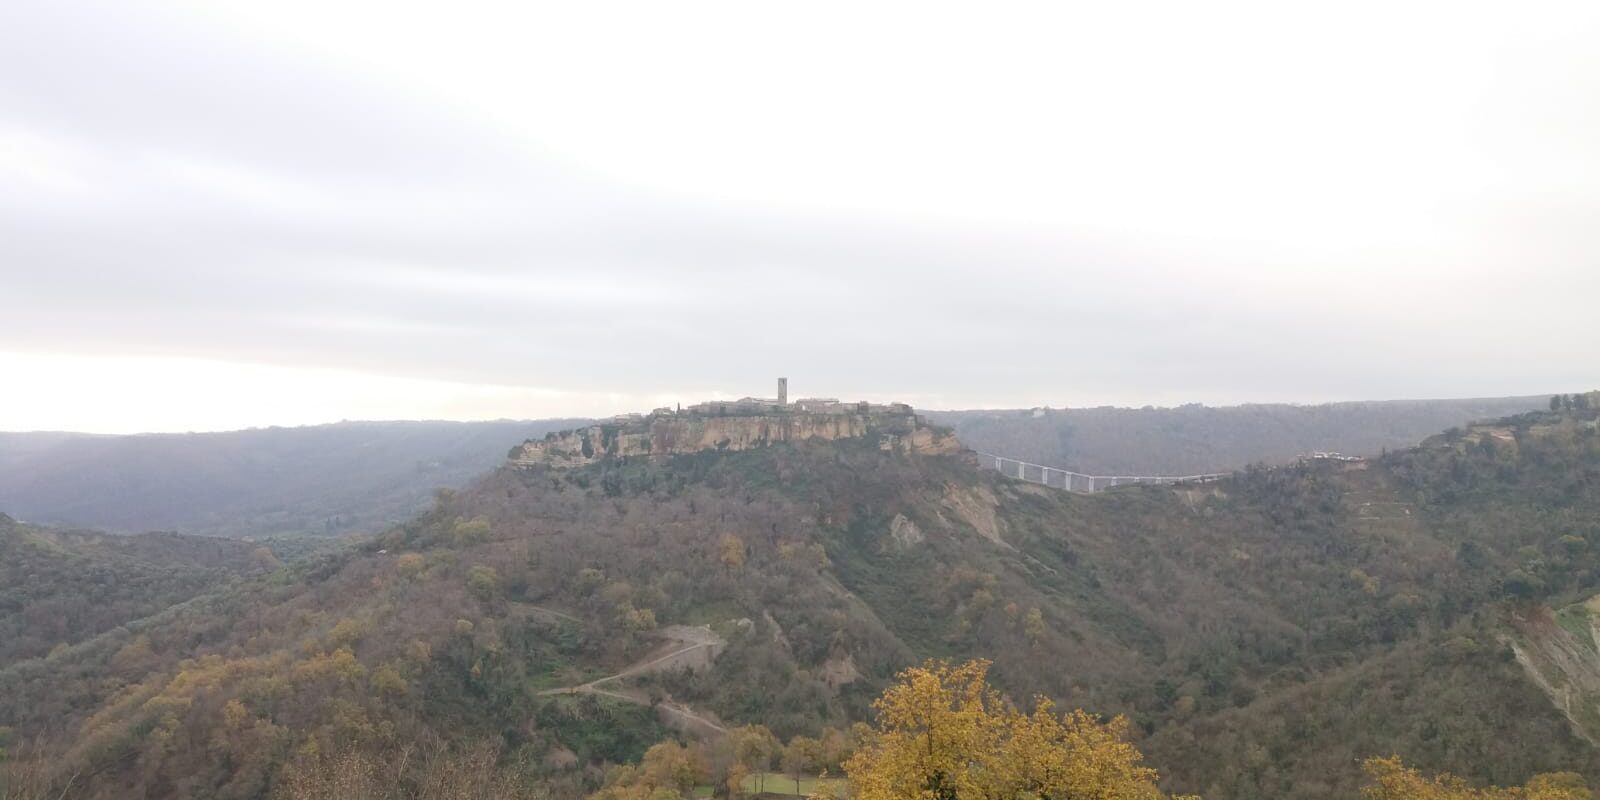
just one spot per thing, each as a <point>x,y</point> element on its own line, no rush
<point>1261,637</point>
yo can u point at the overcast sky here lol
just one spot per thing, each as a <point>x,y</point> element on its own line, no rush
<point>228,213</point>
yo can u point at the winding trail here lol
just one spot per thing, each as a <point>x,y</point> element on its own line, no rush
<point>697,639</point>
<point>683,712</point>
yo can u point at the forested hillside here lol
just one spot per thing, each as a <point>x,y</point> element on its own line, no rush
<point>364,476</point>
<point>58,588</point>
<point>1193,439</point>
<point>1263,634</point>
<point>320,479</point>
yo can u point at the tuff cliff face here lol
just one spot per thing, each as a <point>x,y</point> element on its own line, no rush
<point>667,433</point>
<point>1560,649</point>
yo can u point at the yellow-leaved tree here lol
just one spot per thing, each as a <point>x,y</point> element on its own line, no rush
<point>669,771</point>
<point>944,734</point>
<point>1392,780</point>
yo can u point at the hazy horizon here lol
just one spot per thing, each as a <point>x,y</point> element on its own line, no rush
<point>969,410</point>
<point>220,215</point>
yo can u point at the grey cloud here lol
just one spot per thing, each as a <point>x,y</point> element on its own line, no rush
<point>506,269</point>
<point>137,78</point>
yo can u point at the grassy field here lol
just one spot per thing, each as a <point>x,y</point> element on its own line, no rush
<point>779,783</point>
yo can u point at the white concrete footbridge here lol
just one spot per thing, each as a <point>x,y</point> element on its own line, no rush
<point>1059,478</point>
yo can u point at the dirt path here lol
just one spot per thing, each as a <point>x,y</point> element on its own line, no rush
<point>654,664</point>
<point>561,615</point>
<point>678,710</point>
<point>701,646</point>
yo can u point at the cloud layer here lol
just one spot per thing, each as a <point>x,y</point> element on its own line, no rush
<point>541,209</point>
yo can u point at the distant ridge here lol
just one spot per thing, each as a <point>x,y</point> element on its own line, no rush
<point>1193,439</point>
<point>318,479</point>
<point>362,476</point>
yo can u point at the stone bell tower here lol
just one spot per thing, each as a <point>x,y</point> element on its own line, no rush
<point>783,391</point>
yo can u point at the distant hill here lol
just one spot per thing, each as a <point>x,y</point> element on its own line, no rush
<point>1262,633</point>
<point>1192,439</point>
<point>59,588</point>
<point>320,479</point>
<point>363,476</point>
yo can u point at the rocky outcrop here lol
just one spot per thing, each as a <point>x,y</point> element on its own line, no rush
<point>839,670</point>
<point>976,506</point>
<point>932,442</point>
<point>904,532</point>
<point>667,433</point>
<point>1560,650</point>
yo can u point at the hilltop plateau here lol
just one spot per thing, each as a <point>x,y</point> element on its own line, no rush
<point>737,426</point>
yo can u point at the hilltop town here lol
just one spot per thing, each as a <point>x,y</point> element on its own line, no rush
<point>734,425</point>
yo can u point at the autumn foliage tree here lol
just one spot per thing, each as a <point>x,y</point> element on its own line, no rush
<point>669,771</point>
<point>801,757</point>
<point>731,550</point>
<point>433,771</point>
<point>754,748</point>
<point>1393,780</point>
<point>944,734</point>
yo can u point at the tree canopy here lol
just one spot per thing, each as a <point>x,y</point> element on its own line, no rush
<point>944,734</point>
<point>1392,780</point>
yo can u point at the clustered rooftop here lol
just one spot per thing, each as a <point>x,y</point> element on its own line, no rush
<point>763,406</point>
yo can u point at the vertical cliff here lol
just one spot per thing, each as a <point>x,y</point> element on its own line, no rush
<point>668,433</point>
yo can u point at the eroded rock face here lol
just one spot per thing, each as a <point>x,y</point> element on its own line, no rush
<point>976,507</point>
<point>932,441</point>
<point>670,434</point>
<point>905,532</point>
<point>839,670</point>
<point>1564,660</point>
